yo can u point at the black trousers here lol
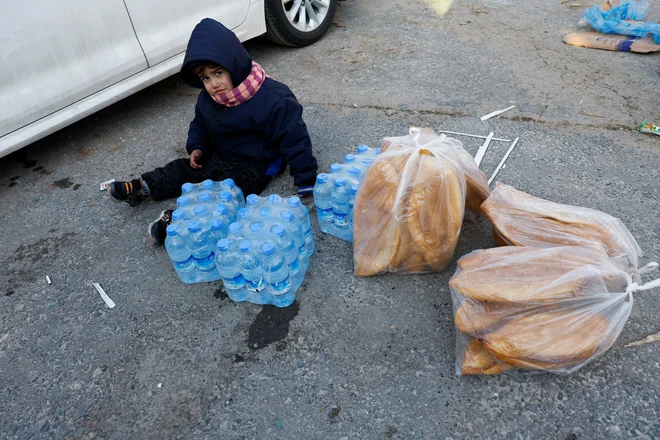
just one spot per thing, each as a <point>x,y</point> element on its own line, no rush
<point>165,182</point>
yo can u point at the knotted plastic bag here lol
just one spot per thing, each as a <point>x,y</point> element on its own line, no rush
<point>545,309</point>
<point>410,206</point>
<point>520,219</point>
<point>617,20</point>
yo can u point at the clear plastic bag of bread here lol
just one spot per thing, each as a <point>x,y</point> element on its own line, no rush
<point>409,208</point>
<point>541,309</point>
<point>521,219</point>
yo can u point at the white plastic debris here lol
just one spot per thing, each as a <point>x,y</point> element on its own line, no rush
<point>48,280</point>
<point>482,150</point>
<point>497,112</point>
<point>105,297</point>
<point>472,135</point>
<point>160,385</point>
<point>104,185</point>
<point>497,170</point>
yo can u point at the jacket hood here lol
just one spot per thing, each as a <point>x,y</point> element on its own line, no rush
<point>212,41</point>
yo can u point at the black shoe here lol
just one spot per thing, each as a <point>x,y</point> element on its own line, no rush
<point>129,192</point>
<point>157,228</point>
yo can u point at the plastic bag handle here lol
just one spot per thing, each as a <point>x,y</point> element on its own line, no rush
<point>635,286</point>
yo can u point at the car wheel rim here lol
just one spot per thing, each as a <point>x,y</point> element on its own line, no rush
<point>306,15</point>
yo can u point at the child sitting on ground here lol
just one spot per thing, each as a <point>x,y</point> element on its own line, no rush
<point>247,127</point>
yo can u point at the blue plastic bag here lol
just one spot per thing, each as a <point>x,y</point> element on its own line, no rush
<point>613,21</point>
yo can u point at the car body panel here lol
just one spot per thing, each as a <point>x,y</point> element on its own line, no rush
<point>95,47</point>
<point>163,29</point>
<point>57,118</point>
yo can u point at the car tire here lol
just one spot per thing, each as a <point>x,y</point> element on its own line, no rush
<point>297,30</point>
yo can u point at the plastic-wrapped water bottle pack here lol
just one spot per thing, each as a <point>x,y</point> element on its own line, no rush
<point>202,217</point>
<point>266,253</point>
<point>334,192</point>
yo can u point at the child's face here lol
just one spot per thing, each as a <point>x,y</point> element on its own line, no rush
<point>216,80</point>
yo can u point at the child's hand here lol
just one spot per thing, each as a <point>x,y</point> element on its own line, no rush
<point>196,159</point>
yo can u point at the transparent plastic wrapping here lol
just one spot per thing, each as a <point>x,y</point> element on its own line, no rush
<point>520,219</point>
<point>410,206</point>
<point>544,309</point>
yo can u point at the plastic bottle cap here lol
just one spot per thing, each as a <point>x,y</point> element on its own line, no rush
<point>199,209</point>
<point>256,227</point>
<point>294,201</point>
<point>354,189</point>
<point>235,227</point>
<point>340,181</point>
<point>287,215</point>
<point>177,215</point>
<point>204,197</point>
<point>229,183</point>
<point>252,199</point>
<point>322,178</point>
<point>182,201</point>
<point>194,226</point>
<point>220,209</point>
<point>268,248</point>
<point>362,148</point>
<point>216,223</point>
<point>244,245</point>
<point>242,213</point>
<point>223,244</point>
<point>225,196</point>
<point>187,187</point>
<point>277,230</point>
<point>207,184</point>
<point>349,158</point>
<point>335,168</point>
<point>172,229</point>
<point>265,212</point>
<point>274,198</point>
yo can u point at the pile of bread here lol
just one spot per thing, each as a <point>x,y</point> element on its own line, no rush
<point>410,206</point>
<point>553,300</point>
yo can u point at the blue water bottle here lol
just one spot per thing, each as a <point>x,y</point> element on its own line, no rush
<point>323,201</point>
<point>351,205</point>
<point>184,204</point>
<point>236,192</point>
<point>251,270</point>
<point>340,198</point>
<point>302,214</point>
<point>188,189</point>
<point>252,203</point>
<point>294,228</point>
<point>228,264</point>
<point>207,186</point>
<point>199,242</point>
<point>181,256</point>
<point>291,254</point>
<point>276,275</point>
<point>219,229</point>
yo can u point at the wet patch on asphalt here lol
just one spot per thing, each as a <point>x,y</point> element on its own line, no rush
<point>271,325</point>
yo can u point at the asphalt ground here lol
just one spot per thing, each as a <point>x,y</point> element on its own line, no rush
<point>352,358</point>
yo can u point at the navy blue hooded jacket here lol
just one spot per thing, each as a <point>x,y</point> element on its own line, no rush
<point>267,131</point>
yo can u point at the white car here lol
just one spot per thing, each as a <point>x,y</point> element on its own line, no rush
<point>63,60</point>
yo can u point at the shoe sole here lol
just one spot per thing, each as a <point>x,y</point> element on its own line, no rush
<point>152,239</point>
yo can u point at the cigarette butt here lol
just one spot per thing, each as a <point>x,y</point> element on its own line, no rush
<point>48,280</point>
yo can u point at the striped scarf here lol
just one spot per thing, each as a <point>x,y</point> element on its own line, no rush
<point>245,90</point>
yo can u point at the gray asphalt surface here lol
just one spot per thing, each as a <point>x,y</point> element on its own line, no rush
<point>353,358</point>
